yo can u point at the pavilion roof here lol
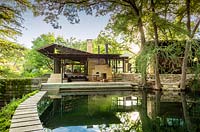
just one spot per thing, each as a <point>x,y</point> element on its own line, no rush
<point>55,51</point>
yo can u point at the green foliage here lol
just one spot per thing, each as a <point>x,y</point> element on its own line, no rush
<point>6,72</point>
<point>123,23</point>
<point>37,64</point>
<point>11,57</point>
<point>7,112</point>
<point>43,104</point>
<point>144,59</point>
<point>170,56</point>
<point>11,16</point>
<point>72,43</point>
<point>10,51</point>
<point>52,10</point>
<point>126,16</point>
<point>113,46</point>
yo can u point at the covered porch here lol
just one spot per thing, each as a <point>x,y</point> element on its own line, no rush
<point>76,65</point>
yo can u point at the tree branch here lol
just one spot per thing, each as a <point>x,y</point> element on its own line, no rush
<point>195,28</point>
<point>134,7</point>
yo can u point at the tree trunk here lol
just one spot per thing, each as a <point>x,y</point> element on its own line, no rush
<point>187,45</point>
<point>184,65</point>
<point>142,37</point>
<point>137,13</point>
<point>157,103</point>
<point>156,63</point>
<point>147,125</point>
<point>157,75</point>
<point>186,113</point>
<point>157,110</point>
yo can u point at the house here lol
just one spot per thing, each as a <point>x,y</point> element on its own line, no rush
<point>75,64</point>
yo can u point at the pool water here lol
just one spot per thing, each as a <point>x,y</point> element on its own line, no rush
<point>150,111</point>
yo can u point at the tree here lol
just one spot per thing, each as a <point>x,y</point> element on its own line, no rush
<point>11,16</point>
<point>10,25</point>
<point>11,54</point>
<point>72,43</point>
<point>114,47</point>
<point>155,27</point>
<point>37,64</point>
<point>190,12</point>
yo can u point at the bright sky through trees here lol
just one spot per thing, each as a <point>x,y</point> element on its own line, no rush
<point>88,28</point>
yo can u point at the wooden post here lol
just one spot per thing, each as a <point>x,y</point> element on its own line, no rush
<point>109,62</point>
<point>124,65</point>
<point>106,50</point>
<point>72,69</point>
<point>116,65</point>
<point>62,70</point>
<point>57,66</point>
<point>98,54</point>
<point>86,68</point>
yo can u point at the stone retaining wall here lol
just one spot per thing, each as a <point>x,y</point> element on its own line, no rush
<point>168,81</point>
<point>165,78</point>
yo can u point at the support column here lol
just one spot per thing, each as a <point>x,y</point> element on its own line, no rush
<point>62,70</point>
<point>106,50</point>
<point>116,65</point>
<point>124,65</point>
<point>72,69</point>
<point>57,66</point>
<point>86,68</point>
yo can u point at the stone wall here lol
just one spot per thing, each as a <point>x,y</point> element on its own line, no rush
<point>91,66</point>
<point>103,69</point>
<point>98,67</point>
<point>165,78</point>
<point>133,77</point>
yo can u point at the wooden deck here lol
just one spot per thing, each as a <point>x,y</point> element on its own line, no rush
<point>26,116</point>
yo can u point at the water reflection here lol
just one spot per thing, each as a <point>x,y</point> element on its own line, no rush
<point>141,111</point>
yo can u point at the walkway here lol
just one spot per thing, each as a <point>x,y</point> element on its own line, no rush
<point>26,115</point>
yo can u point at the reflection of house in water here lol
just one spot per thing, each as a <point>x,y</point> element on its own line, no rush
<point>79,65</point>
<point>128,102</point>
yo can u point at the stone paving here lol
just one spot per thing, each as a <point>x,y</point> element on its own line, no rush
<point>25,118</point>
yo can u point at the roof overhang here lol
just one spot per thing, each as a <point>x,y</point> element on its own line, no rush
<point>73,54</point>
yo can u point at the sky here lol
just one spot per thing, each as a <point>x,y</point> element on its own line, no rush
<point>88,28</point>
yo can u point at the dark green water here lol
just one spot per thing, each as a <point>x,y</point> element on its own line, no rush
<point>139,111</point>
